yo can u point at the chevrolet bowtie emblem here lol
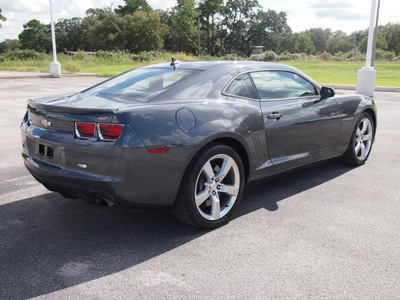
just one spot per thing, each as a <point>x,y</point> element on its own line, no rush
<point>46,123</point>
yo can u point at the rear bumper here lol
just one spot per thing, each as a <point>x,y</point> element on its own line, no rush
<point>131,177</point>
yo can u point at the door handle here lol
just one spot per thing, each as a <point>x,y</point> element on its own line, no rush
<point>275,115</point>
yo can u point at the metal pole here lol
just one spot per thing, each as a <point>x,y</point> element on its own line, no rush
<point>370,34</point>
<point>55,67</point>
<point>53,36</point>
<point>375,36</point>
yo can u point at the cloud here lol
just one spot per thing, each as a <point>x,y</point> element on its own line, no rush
<point>347,16</point>
<point>340,14</point>
<point>329,4</point>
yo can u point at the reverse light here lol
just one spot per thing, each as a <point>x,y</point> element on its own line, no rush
<point>110,131</point>
<point>85,130</point>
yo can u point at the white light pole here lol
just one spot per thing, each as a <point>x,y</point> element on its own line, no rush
<point>55,67</point>
<point>366,77</point>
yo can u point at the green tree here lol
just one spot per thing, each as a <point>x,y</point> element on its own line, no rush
<point>108,32</point>
<point>299,43</point>
<point>239,30</point>
<point>319,38</point>
<point>183,26</point>
<point>2,18</point>
<point>35,36</point>
<point>208,9</point>
<point>391,32</point>
<point>340,42</point>
<point>277,30</point>
<point>381,43</point>
<point>359,35</point>
<point>132,6</point>
<point>71,34</point>
<point>144,31</point>
<point>9,45</point>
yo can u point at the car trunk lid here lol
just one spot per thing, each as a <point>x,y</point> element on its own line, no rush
<point>61,112</point>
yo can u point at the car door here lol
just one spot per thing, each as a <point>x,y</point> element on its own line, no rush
<point>300,127</point>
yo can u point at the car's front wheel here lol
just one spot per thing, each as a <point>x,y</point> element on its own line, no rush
<point>361,141</point>
<point>211,188</point>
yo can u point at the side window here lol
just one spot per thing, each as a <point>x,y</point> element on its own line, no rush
<point>281,85</point>
<point>242,86</point>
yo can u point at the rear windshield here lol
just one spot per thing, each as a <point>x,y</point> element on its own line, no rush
<point>139,84</point>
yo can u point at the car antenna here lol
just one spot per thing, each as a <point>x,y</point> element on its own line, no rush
<point>175,63</point>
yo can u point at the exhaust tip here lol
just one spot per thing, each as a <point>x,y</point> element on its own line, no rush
<point>104,202</point>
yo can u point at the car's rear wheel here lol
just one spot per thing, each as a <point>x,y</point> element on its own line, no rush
<point>361,141</point>
<point>211,188</point>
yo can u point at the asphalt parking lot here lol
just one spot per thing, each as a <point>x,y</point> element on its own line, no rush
<point>323,232</point>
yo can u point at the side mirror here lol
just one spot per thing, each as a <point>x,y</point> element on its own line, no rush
<point>326,92</point>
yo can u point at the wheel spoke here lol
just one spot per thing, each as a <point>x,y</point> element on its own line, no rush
<point>201,197</point>
<point>231,190</point>
<point>358,132</point>
<point>363,151</point>
<point>364,126</point>
<point>357,147</point>
<point>208,171</point>
<point>225,168</point>
<point>215,207</point>
<point>366,137</point>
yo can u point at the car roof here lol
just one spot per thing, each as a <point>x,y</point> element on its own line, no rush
<point>231,65</point>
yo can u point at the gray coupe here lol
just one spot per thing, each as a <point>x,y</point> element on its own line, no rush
<point>189,135</point>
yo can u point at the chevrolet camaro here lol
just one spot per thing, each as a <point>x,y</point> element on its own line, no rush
<point>189,135</point>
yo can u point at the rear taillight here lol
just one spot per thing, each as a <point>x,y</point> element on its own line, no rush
<point>104,132</point>
<point>110,132</point>
<point>85,130</point>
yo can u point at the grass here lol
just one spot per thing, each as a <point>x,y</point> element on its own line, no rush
<point>326,72</point>
<point>343,72</point>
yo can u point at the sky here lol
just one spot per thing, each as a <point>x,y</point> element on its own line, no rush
<point>349,16</point>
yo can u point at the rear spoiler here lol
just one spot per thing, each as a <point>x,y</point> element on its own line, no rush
<point>48,104</point>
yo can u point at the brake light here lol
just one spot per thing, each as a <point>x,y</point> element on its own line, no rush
<point>85,130</point>
<point>104,132</point>
<point>110,131</point>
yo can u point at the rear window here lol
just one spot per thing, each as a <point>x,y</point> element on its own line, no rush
<point>139,84</point>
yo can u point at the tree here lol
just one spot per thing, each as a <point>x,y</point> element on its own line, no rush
<point>209,9</point>
<point>71,34</point>
<point>299,43</point>
<point>9,45</point>
<point>381,43</point>
<point>246,25</point>
<point>319,38</point>
<point>359,35</point>
<point>144,31</point>
<point>132,6</point>
<point>391,32</point>
<point>340,42</point>
<point>2,18</point>
<point>35,36</point>
<point>107,33</point>
<point>183,26</point>
<point>277,30</point>
<point>240,16</point>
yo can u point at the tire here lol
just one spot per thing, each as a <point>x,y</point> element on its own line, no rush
<point>361,141</point>
<point>211,188</point>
